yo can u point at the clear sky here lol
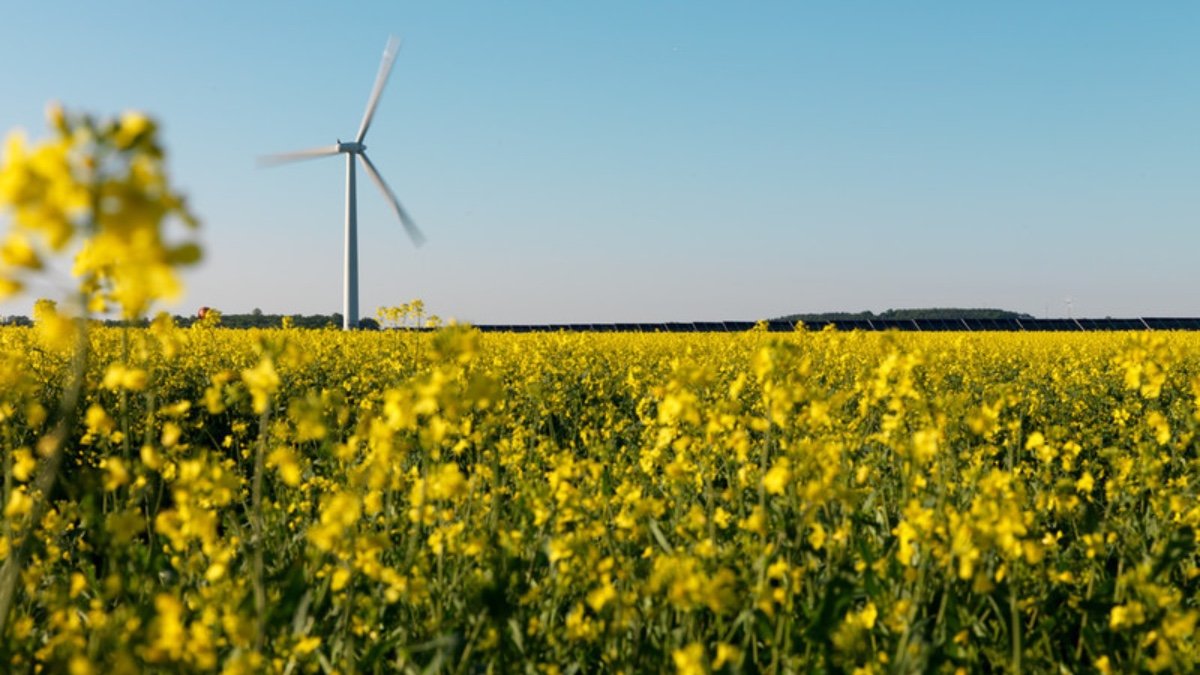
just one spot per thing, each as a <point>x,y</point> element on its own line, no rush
<point>661,161</point>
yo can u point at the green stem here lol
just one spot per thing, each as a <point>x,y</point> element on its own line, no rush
<point>1015,618</point>
<point>53,447</point>
<point>260,594</point>
<point>124,402</point>
<point>8,476</point>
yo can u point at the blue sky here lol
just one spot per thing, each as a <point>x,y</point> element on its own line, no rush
<point>661,161</point>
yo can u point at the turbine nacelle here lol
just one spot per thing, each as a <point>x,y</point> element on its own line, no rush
<point>351,146</point>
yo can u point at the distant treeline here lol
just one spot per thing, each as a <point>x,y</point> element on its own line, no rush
<point>942,313</point>
<point>253,320</point>
<point>259,319</point>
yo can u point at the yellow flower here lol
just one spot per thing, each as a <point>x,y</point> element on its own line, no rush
<point>78,584</point>
<point>115,473</point>
<point>817,536</point>
<point>446,482</point>
<point>307,645</point>
<point>1085,483</point>
<point>1127,615</point>
<point>925,445</point>
<point>150,457</point>
<point>689,660</point>
<point>863,618</point>
<point>168,631</point>
<point>23,464</point>
<point>777,478</point>
<point>339,512</point>
<point>284,460</point>
<point>133,125</point>
<point>726,654</point>
<point>80,665</point>
<point>341,577</point>
<point>1035,440</point>
<point>756,522</point>
<point>170,434</point>
<point>19,503</point>
<point>97,420</point>
<point>262,381</point>
<point>55,330</point>
<point>601,596</point>
<point>1178,626</point>
<point>17,251</point>
<point>111,176</point>
<point>9,287</point>
<point>118,376</point>
<point>1159,425</point>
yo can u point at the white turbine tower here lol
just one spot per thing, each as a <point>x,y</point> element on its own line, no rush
<point>352,150</point>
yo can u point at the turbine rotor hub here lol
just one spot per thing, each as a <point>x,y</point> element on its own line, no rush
<point>350,146</point>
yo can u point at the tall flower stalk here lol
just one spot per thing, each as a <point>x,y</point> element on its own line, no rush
<point>98,188</point>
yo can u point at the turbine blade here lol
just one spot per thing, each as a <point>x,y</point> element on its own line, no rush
<point>285,157</point>
<point>409,226</point>
<point>385,69</point>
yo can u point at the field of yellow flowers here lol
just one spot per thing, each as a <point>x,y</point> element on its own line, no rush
<point>302,501</point>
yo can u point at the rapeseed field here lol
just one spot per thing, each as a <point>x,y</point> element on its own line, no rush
<point>315,500</point>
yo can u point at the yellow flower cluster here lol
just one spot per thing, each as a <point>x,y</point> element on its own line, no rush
<point>98,189</point>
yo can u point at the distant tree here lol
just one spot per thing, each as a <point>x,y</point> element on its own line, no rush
<point>367,323</point>
<point>260,320</point>
<point>951,313</point>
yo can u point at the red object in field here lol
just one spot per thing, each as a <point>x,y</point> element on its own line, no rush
<point>202,313</point>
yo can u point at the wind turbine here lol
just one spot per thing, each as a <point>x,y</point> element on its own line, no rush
<point>353,149</point>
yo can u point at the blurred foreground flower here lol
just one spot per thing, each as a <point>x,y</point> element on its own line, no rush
<point>99,188</point>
